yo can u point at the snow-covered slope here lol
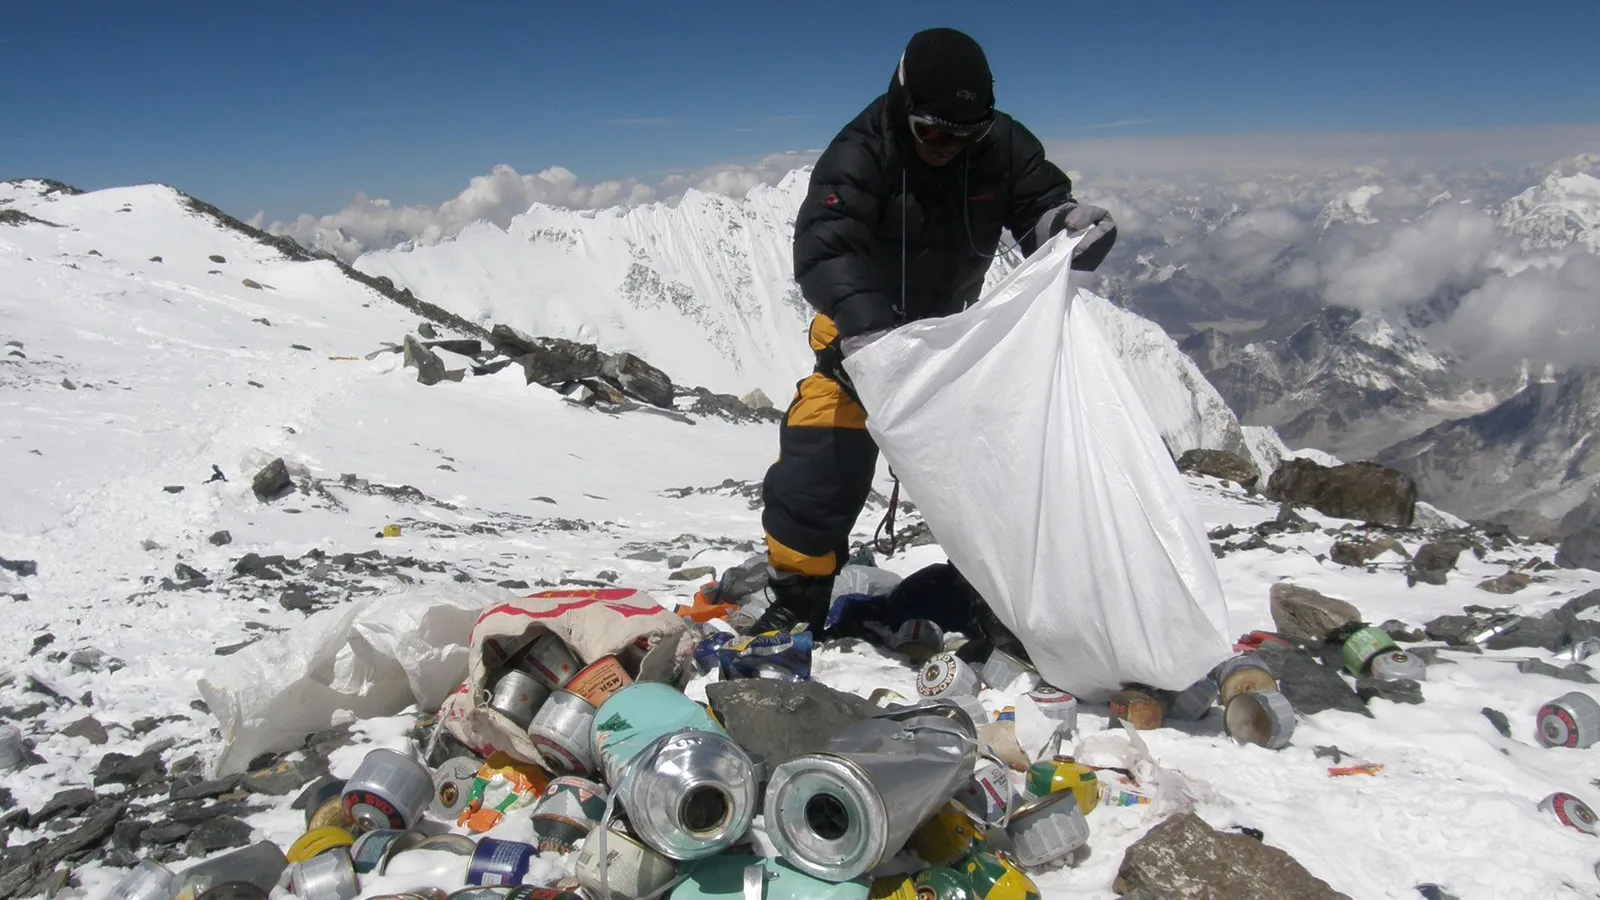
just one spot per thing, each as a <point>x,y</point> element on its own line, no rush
<point>702,288</point>
<point>494,482</point>
<point>1561,211</point>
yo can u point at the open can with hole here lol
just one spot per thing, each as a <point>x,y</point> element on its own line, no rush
<point>622,867</point>
<point>329,876</point>
<point>1571,812</point>
<point>561,730</point>
<point>1260,717</point>
<point>388,790</point>
<point>570,808</point>
<point>452,783</point>
<point>1570,720</point>
<point>839,813</point>
<point>149,880</point>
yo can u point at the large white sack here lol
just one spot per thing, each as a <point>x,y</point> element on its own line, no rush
<point>372,658</point>
<point>1034,462</point>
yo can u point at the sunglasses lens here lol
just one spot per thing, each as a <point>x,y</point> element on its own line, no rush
<point>946,134</point>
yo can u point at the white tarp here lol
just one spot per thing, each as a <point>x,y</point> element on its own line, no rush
<point>372,658</point>
<point>1026,447</point>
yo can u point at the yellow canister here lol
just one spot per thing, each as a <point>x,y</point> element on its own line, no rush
<point>330,814</point>
<point>946,836</point>
<point>391,531</point>
<point>995,878</point>
<point>892,887</point>
<point>318,841</point>
<point>1064,773</point>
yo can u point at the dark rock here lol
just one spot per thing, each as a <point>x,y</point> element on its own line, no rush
<point>430,368</point>
<point>165,834</point>
<point>1220,464</point>
<point>647,556</point>
<point>217,258</point>
<point>1359,553</point>
<point>1364,491</point>
<point>1306,616</point>
<point>1581,548</point>
<point>126,833</point>
<point>638,378</point>
<point>489,368</point>
<point>1547,632</point>
<point>780,720</point>
<point>173,489</point>
<point>69,802</point>
<point>1309,686</point>
<point>296,600</point>
<point>67,383</point>
<point>515,584</point>
<point>94,831</point>
<point>272,481</point>
<point>1450,629</point>
<point>591,391</point>
<point>1399,631</point>
<point>88,728</point>
<point>218,834</point>
<point>21,567</point>
<point>6,802</point>
<point>18,713</point>
<point>1183,858</point>
<point>231,649</point>
<point>1575,672</point>
<point>1437,556</point>
<point>205,790</point>
<point>464,347</point>
<point>427,330</point>
<point>191,575</point>
<point>42,641</point>
<point>284,777</point>
<point>220,538</point>
<point>1506,583</point>
<point>1498,720</point>
<point>1329,752</point>
<point>199,706</point>
<point>1401,690</point>
<point>119,768</point>
<point>120,859</point>
<point>511,342</point>
<point>263,567</point>
<point>1580,617</point>
<point>693,573</point>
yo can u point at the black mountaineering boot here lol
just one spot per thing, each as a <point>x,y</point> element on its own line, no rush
<point>796,600</point>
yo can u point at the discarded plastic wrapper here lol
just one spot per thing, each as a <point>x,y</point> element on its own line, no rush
<point>501,785</point>
<point>777,654</point>
<point>840,812</point>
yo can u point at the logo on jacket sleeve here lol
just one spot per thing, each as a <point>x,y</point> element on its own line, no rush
<point>831,201</point>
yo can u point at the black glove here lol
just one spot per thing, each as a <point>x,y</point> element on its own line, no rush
<point>1100,232</point>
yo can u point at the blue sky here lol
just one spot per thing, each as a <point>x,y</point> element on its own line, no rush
<point>292,107</point>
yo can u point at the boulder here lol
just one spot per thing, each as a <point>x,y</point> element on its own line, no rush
<point>639,379</point>
<point>1309,686</point>
<point>1400,690</point>
<point>1220,464</point>
<point>780,720</point>
<point>430,368</point>
<point>1507,583</point>
<point>510,341</point>
<point>427,330</point>
<point>1306,616</point>
<point>1364,491</point>
<point>757,399</point>
<point>1432,562</point>
<point>554,361</point>
<point>1580,617</point>
<point>1574,672</point>
<point>1580,549</point>
<point>272,481</point>
<point>1183,858</point>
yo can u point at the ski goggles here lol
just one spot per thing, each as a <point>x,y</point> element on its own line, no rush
<point>937,132</point>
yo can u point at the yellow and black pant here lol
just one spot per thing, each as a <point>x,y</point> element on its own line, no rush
<point>814,493</point>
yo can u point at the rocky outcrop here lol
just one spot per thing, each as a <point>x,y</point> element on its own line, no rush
<point>1307,617</point>
<point>1220,464</point>
<point>1183,858</point>
<point>1364,491</point>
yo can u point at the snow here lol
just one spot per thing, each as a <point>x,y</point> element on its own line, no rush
<point>162,356</point>
<point>1560,211</point>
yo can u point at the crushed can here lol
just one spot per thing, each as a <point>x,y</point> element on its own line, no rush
<point>1571,812</point>
<point>549,661</point>
<point>946,675</point>
<point>1063,773</point>
<point>1360,647</point>
<point>570,808</point>
<point>1137,708</point>
<point>452,782</point>
<point>988,795</point>
<point>388,790</point>
<point>1241,674</point>
<point>1002,671</point>
<point>1570,720</point>
<point>329,876</point>
<point>597,681</point>
<point>561,732</point>
<point>945,837</point>
<point>501,785</point>
<point>1264,718</point>
<point>994,877</point>
<point>616,864</point>
<point>499,862</point>
<point>373,848</point>
<point>941,883</point>
<point>517,695</point>
<point>149,880</point>
<point>1397,665</point>
<point>316,842</point>
<point>1047,830</point>
<point>1057,705</point>
<point>918,639</point>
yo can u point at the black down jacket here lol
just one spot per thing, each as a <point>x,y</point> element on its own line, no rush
<point>874,209</point>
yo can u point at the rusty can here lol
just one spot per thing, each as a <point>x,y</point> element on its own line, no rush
<point>1570,720</point>
<point>597,681</point>
<point>945,837</point>
<point>1047,830</point>
<point>1241,674</point>
<point>549,660</point>
<point>570,808</point>
<point>918,639</point>
<point>388,790</point>
<point>517,696</point>
<point>1260,717</point>
<point>316,842</point>
<point>1571,812</point>
<point>329,876</point>
<point>561,731</point>
<point>945,675</point>
<point>452,782</point>
<point>1137,708</point>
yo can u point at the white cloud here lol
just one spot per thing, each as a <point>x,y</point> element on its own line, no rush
<point>1450,248</point>
<point>498,197</point>
<point>1547,314</point>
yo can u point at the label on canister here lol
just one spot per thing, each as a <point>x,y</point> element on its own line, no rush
<point>570,808</point>
<point>562,732</point>
<point>1361,647</point>
<point>941,883</point>
<point>988,795</point>
<point>994,877</point>
<point>1137,708</point>
<point>370,849</point>
<point>892,887</point>
<point>499,862</point>
<point>1571,720</point>
<point>1571,812</point>
<point>1064,773</point>
<point>944,674</point>
<point>388,790</point>
<point>549,660</point>
<point>597,681</point>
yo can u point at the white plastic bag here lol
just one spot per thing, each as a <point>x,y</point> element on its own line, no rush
<point>1040,471</point>
<point>372,658</point>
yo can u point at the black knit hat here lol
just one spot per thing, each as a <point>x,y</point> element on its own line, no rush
<point>946,75</point>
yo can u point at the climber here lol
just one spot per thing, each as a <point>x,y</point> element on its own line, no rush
<point>901,220</point>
